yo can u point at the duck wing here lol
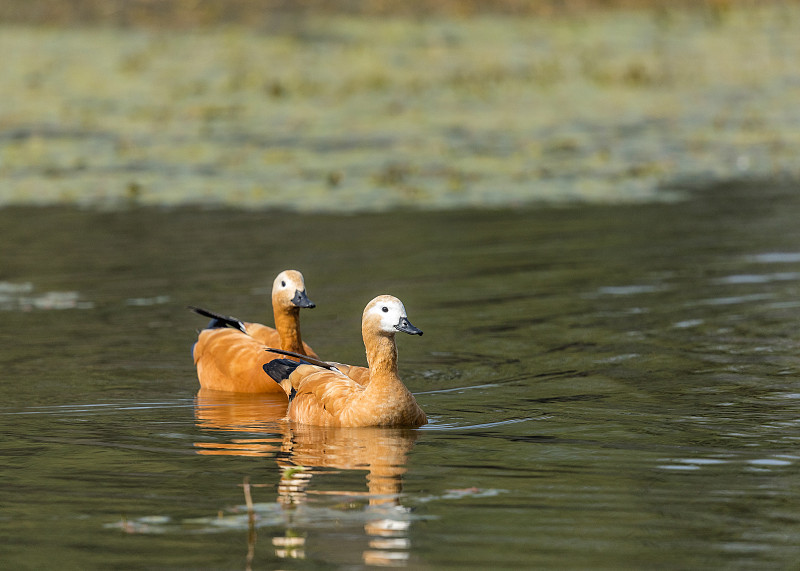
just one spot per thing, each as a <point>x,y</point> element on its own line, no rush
<point>263,334</point>
<point>228,360</point>
<point>359,374</point>
<point>321,396</point>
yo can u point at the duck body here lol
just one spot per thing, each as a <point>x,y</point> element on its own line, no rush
<point>230,354</point>
<point>321,394</point>
<point>359,374</point>
<point>229,360</point>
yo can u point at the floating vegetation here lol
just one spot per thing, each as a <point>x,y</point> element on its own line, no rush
<point>368,114</point>
<point>261,515</point>
<point>145,301</point>
<point>463,493</point>
<point>22,297</point>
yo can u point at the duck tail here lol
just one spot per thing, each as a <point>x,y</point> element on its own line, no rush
<point>219,321</point>
<point>280,369</point>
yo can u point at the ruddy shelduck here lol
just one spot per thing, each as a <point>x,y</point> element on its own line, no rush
<point>229,353</point>
<point>323,395</point>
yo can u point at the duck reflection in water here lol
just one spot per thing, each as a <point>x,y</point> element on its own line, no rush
<point>239,412</point>
<point>307,454</point>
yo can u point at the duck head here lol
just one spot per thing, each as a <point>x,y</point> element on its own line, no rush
<point>386,315</point>
<point>289,291</point>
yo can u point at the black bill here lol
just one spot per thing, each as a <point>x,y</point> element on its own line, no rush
<point>405,326</point>
<point>300,299</point>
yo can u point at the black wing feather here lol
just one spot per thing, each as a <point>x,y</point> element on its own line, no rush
<point>304,358</point>
<point>218,320</point>
<point>280,369</point>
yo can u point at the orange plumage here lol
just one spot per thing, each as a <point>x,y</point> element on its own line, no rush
<point>328,397</point>
<point>230,354</point>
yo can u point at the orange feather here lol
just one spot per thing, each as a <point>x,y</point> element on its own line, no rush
<point>228,359</point>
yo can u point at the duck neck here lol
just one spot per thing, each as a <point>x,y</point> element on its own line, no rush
<point>287,323</point>
<point>381,357</point>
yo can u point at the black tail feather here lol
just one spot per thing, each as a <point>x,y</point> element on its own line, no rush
<point>280,369</point>
<point>219,321</point>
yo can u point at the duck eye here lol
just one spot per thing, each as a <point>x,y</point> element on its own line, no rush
<point>385,309</point>
<point>283,283</point>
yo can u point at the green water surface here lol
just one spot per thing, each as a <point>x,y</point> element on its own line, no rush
<point>608,388</point>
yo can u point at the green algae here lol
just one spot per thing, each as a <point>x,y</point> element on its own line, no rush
<point>348,114</point>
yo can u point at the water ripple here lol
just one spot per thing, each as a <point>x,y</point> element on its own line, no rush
<point>457,389</point>
<point>433,426</point>
<point>98,408</point>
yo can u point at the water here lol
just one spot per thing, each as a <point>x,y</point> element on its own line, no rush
<point>608,388</point>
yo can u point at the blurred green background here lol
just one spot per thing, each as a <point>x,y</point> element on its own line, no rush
<point>371,105</point>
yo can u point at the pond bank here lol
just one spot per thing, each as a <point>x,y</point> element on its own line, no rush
<point>345,114</point>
